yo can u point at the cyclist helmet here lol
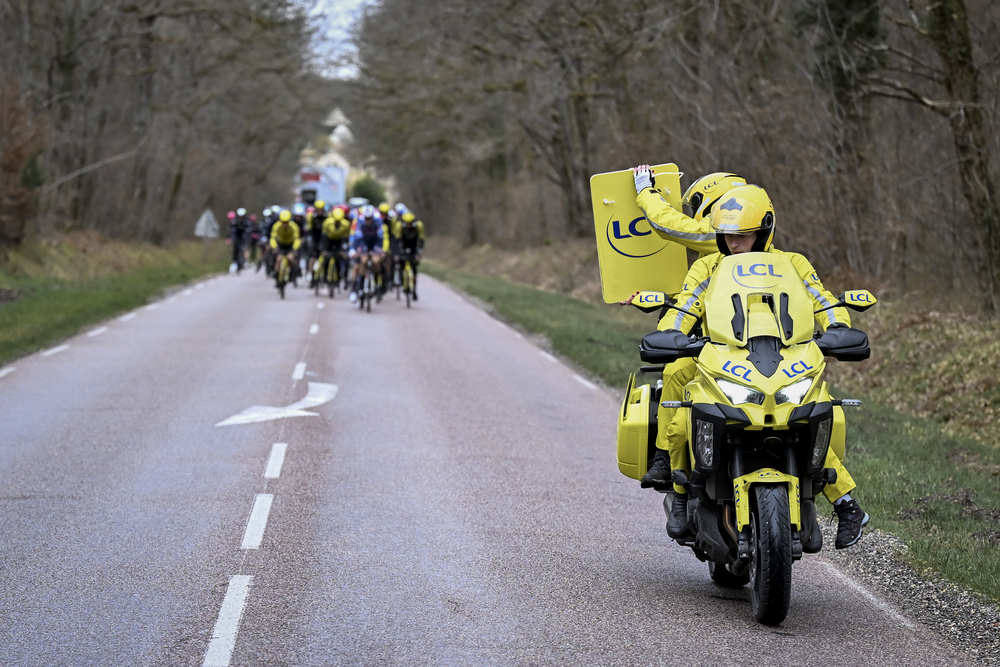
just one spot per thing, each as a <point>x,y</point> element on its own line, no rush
<point>276,208</point>
<point>231,215</point>
<point>366,211</point>
<point>338,214</point>
<point>241,212</point>
<point>408,217</point>
<point>267,212</point>
<point>285,216</point>
<point>253,217</point>
<point>384,207</point>
<point>744,210</point>
<point>320,204</point>
<point>401,208</point>
<point>299,209</point>
<point>707,190</point>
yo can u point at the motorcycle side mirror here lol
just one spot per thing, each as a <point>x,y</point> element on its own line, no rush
<point>647,301</point>
<point>859,300</point>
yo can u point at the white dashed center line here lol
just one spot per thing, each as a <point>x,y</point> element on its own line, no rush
<point>4,372</point>
<point>300,371</point>
<point>258,521</point>
<point>276,460</point>
<point>97,332</point>
<point>585,383</point>
<point>126,318</point>
<point>549,357</point>
<point>314,329</point>
<point>55,350</point>
<point>220,649</point>
<point>320,305</point>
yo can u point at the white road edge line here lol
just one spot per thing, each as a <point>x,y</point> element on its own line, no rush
<point>585,383</point>
<point>55,350</point>
<point>126,318</point>
<point>867,595</point>
<point>300,371</point>
<point>200,286</point>
<point>97,332</point>
<point>276,460</point>
<point>152,306</point>
<point>549,357</point>
<point>254,533</point>
<point>7,371</point>
<point>314,329</point>
<point>188,292</point>
<point>220,649</point>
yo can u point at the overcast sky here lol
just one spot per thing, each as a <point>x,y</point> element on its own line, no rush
<point>334,19</point>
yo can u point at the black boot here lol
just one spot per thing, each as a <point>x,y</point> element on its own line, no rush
<point>811,535</point>
<point>658,475</point>
<point>677,524</point>
<point>853,519</point>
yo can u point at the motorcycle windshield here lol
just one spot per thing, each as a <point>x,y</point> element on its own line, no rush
<point>757,294</point>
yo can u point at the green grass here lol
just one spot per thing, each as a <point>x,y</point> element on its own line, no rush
<point>55,301</point>
<point>914,476</point>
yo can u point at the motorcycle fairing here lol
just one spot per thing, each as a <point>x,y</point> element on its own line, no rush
<point>741,494</point>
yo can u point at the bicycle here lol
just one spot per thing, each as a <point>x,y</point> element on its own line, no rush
<point>284,273</point>
<point>368,288</point>
<point>408,280</point>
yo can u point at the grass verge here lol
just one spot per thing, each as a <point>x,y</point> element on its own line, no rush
<point>938,492</point>
<point>52,289</point>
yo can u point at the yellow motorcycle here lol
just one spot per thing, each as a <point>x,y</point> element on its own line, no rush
<point>760,420</point>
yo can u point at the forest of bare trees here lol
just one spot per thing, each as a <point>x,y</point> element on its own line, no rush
<point>872,123</point>
<point>130,117</point>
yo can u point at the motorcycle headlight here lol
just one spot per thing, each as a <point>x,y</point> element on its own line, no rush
<point>793,393</point>
<point>738,393</point>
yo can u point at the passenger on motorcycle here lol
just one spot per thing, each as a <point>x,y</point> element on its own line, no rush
<point>697,234</point>
<point>410,236</point>
<point>743,220</point>
<point>367,239</point>
<point>285,241</point>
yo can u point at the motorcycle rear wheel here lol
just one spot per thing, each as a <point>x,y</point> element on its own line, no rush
<point>771,550</point>
<point>722,576</point>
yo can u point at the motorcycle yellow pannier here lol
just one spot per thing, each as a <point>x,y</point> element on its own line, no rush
<point>635,432</point>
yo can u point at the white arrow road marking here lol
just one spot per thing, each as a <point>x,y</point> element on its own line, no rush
<point>220,649</point>
<point>319,393</point>
<point>300,371</point>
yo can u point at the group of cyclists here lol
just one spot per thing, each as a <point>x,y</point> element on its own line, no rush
<point>361,248</point>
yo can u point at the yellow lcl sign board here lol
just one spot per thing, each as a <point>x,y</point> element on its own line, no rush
<point>631,254</point>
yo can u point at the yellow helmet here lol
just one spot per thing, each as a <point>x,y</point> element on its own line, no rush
<point>319,204</point>
<point>407,217</point>
<point>285,215</point>
<point>706,191</point>
<point>338,214</point>
<point>384,207</point>
<point>744,210</point>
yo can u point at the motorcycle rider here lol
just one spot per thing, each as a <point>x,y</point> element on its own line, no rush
<point>694,232</point>
<point>409,235</point>
<point>743,220</point>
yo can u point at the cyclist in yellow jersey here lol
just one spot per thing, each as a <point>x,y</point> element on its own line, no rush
<point>285,239</point>
<point>313,233</point>
<point>336,230</point>
<point>409,234</point>
<point>743,220</point>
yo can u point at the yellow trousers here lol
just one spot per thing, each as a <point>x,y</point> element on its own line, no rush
<point>672,434</point>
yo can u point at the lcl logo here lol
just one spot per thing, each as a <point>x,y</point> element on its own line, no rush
<point>614,233</point>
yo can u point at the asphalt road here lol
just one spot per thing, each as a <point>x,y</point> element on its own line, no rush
<point>455,502</point>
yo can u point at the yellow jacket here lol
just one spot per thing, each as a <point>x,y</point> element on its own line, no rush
<point>336,231</point>
<point>673,225</point>
<point>698,277</point>
<point>285,235</point>
<point>414,233</point>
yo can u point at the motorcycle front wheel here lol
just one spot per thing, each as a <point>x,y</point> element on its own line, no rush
<point>771,550</point>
